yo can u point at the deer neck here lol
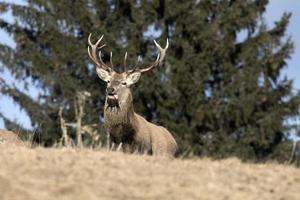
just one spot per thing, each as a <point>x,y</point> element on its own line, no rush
<point>123,114</point>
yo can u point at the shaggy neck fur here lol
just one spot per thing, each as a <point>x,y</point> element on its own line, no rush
<point>121,115</point>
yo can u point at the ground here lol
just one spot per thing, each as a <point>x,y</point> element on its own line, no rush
<point>59,173</point>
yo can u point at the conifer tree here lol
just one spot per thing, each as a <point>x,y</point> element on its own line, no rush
<point>219,95</point>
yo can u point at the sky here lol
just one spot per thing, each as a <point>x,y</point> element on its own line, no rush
<point>275,10</point>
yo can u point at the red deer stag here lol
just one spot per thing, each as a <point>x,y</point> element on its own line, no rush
<point>125,126</point>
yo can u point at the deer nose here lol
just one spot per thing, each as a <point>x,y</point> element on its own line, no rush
<point>110,91</point>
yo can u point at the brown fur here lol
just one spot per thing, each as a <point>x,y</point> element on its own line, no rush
<point>123,124</point>
<point>133,131</point>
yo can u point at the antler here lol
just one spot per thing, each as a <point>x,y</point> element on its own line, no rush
<point>125,58</point>
<point>92,51</point>
<point>159,59</point>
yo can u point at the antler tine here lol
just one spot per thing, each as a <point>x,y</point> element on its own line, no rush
<point>125,58</point>
<point>94,48</point>
<point>162,50</point>
<point>160,57</point>
<point>136,65</point>
<point>111,62</point>
<point>92,51</point>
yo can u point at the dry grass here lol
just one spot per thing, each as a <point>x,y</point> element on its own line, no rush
<point>11,138</point>
<point>86,174</point>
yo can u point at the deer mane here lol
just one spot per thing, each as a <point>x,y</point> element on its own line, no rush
<point>121,114</point>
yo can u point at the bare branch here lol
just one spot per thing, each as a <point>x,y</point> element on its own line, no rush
<point>120,147</point>
<point>65,140</point>
<point>292,156</point>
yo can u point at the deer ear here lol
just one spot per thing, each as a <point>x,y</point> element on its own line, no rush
<point>132,78</point>
<point>103,74</point>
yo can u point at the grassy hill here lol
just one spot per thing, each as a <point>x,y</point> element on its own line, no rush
<point>86,174</point>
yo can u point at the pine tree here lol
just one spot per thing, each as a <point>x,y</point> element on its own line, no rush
<point>219,96</point>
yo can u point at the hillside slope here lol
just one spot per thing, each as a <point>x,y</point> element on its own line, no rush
<point>86,174</point>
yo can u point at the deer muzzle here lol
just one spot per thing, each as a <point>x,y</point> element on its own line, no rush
<point>112,97</point>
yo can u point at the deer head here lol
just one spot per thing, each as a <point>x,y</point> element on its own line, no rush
<point>118,84</point>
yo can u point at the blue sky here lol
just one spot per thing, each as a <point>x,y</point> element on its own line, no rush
<point>274,12</point>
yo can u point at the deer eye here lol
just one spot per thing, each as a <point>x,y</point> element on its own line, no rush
<point>108,81</point>
<point>124,83</point>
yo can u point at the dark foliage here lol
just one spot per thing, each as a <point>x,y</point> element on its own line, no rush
<point>220,95</point>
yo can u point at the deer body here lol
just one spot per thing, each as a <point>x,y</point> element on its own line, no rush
<point>124,125</point>
<point>134,132</point>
